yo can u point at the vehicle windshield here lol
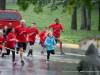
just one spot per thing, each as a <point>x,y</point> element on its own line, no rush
<point>10,16</point>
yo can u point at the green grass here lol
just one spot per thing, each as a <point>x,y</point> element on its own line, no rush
<point>43,19</point>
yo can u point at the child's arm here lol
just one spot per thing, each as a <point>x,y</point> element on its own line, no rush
<point>46,42</point>
<point>40,35</point>
<point>61,28</point>
<point>54,43</point>
<point>37,32</point>
<point>11,40</point>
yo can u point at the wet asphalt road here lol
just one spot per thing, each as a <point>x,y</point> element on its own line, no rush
<point>58,65</point>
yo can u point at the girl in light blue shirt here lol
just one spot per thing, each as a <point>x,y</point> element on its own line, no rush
<point>50,44</point>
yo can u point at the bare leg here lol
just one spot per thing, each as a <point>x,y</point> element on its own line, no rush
<point>0,52</point>
<point>60,44</point>
<point>21,54</point>
<point>43,48</point>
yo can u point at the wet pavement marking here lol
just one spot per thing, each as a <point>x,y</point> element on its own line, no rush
<point>54,60</point>
<point>62,61</point>
<point>69,62</point>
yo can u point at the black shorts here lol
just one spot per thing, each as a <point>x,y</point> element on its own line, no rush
<point>56,38</point>
<point>1,49</point>
<point>51,51</point>
<point>20,44</point>
<point>31,43</point>
<point>42,44</point>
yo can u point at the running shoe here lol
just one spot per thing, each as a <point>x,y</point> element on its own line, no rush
<point>62,53</point>
<point>22,63</point>
<point>27,55</point>
<point>42,52</point>
<point>47,61</point>
<point>14,63</point>
<point>32,56</point>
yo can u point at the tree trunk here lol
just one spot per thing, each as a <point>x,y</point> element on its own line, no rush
<point>74,20</point>
<point>99,17</point>
<point>89,20</point>
<point>13,1</point>
<point>83,18</point>
<point>2,4</point>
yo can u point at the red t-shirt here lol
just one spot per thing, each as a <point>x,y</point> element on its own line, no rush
<point>42,36</point>
<point>2,39</point>
<point>20,33</point>
<point>10,44</point>
<point>32,34</point>
<point>56,29</point>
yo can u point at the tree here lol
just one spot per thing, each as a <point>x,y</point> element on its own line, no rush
<point>68,5</point>
<point>99,16</point>
<point>88,27</point>
<point>74,20</point>
<point>13,1</point>
<point>83,18</point>
<point>2,4</point>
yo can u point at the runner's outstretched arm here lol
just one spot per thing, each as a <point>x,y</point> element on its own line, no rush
<point>49,28</point>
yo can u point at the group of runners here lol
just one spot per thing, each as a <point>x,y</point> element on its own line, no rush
<point>21,34</point>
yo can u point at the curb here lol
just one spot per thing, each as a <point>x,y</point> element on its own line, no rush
<point>70,45</point>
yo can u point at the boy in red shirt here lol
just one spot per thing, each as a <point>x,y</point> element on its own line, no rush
<point>32,33</point>
<point>10,44</point>
<point>2,39</point>
<point>43,36</point>
<point>56,32</point>
<point>21,35</point>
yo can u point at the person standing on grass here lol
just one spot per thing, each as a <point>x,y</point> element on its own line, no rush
<point>32,33</point>
<point>50,44</point>
<point>2,40</point>
<point>43,36</point>
<point>21,33</point>
<point>56,32</point>
<point>10,44</point>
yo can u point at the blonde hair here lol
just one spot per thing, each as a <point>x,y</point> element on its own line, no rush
<point>48,33</point>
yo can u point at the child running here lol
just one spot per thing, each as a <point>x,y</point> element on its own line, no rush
<point>50,43</point>
<point>2,40</point>
<point>43,36</point>
<point>33,33</point>
<point>10,43</point>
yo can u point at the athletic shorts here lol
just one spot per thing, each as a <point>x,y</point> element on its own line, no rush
<point>42,44</point>
<point>56,38</point>
<point>20,44</point>
<point>51,51</point>
<point>31,43</point>
<point>1,49</point>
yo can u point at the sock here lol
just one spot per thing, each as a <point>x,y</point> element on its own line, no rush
<point>29,53</point>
